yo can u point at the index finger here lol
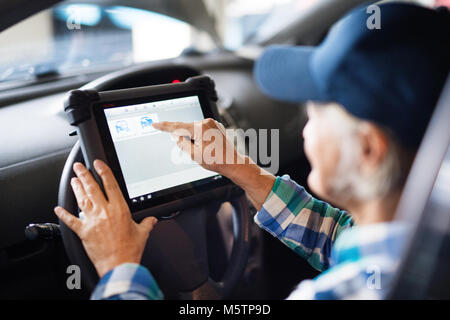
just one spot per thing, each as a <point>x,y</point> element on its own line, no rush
<point>110,184</point>
<point>91,186</point>
<point>172,127</point>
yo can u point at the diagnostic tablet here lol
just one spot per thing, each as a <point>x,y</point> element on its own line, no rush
<point>152,172</point>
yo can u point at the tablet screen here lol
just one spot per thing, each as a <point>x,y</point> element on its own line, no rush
<point>149,159</point>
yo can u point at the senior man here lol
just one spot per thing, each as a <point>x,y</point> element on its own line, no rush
<point>372,94</point>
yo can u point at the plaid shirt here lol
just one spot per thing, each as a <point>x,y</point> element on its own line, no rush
<point>357,262</point>
<point>128,281</point>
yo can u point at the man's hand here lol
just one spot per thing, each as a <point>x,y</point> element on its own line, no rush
<point>109,234</point>
<point>207,144</point>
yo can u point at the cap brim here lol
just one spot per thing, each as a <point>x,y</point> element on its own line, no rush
<point>283,73</point>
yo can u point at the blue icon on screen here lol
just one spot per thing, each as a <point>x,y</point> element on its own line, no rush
<point>146,122</point>
<point>122,126</point>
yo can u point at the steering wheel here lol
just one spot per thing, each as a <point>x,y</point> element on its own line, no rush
<point>176,252</point>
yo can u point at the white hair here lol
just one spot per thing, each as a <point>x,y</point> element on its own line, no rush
<point>389,176</point>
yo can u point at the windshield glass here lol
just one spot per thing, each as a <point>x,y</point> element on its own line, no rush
<point>78,38</point>
<point>81,37</point>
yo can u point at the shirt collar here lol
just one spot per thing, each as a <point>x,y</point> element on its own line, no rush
<point>386,238</point>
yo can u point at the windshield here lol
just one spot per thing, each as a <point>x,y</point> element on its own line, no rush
<point>81,37</point>
<point>77,38</point>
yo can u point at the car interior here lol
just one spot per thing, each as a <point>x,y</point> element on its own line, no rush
<point>49,47</point>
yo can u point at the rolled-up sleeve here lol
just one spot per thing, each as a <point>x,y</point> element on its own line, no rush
<point>127,282</point>
<point>306,225</point>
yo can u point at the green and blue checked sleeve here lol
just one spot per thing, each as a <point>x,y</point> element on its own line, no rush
<point>128,281</point>
<point>306,225</point>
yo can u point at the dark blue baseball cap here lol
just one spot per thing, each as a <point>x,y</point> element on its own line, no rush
<point>391,76</point>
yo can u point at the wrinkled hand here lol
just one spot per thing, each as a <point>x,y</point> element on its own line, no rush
<point>207,144</point>
<point>107,231</point>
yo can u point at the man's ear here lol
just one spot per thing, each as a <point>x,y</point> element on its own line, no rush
<point>374,147</point>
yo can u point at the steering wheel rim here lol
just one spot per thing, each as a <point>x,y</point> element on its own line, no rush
<point>188,222</point>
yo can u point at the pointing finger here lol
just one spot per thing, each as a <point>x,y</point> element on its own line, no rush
<point>173,127</point>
